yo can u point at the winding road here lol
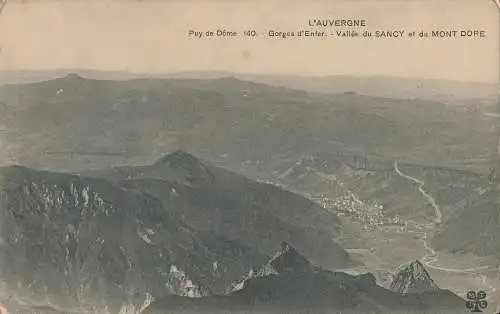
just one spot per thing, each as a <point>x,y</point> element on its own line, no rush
<point>437,210</point>
<point>431,256</point>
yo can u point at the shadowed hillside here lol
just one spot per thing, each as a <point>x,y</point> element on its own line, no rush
<point>216,200</point>
<point>68,240</point>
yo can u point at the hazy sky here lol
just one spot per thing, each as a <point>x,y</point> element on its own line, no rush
<point>151,36</point>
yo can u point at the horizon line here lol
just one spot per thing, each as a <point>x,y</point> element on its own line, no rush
<point>222,73</point>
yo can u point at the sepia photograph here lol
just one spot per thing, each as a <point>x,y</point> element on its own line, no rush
<point>274,157</point>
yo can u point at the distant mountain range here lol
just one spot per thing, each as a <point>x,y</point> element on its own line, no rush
<point>288,283</point>
<point>74,123</point>
<point>451,92</point>
<point>435,89</point>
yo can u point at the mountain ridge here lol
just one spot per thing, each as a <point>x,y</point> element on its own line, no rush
<point>138,120</point>
<point>16,77</point>
<point>255,214</point>
<point>74,239</point>
<point>312,291</point>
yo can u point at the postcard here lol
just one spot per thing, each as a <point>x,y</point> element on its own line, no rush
<point>213,156</point>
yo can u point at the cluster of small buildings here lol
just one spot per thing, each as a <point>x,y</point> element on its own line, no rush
<point>371,216</point>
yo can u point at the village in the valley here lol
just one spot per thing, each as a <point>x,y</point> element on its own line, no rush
<point>369,214</point>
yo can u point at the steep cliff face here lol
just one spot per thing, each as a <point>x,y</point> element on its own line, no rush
<point>85,240</point>
<point>413,278</point>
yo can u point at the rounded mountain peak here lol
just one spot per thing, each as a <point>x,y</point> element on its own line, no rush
<point>182,166</point>
<point>177,157</point>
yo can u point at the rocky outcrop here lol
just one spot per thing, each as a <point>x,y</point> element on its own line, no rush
<point>413,278</point>
<point>287,261</point>
<point>80,240</point>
